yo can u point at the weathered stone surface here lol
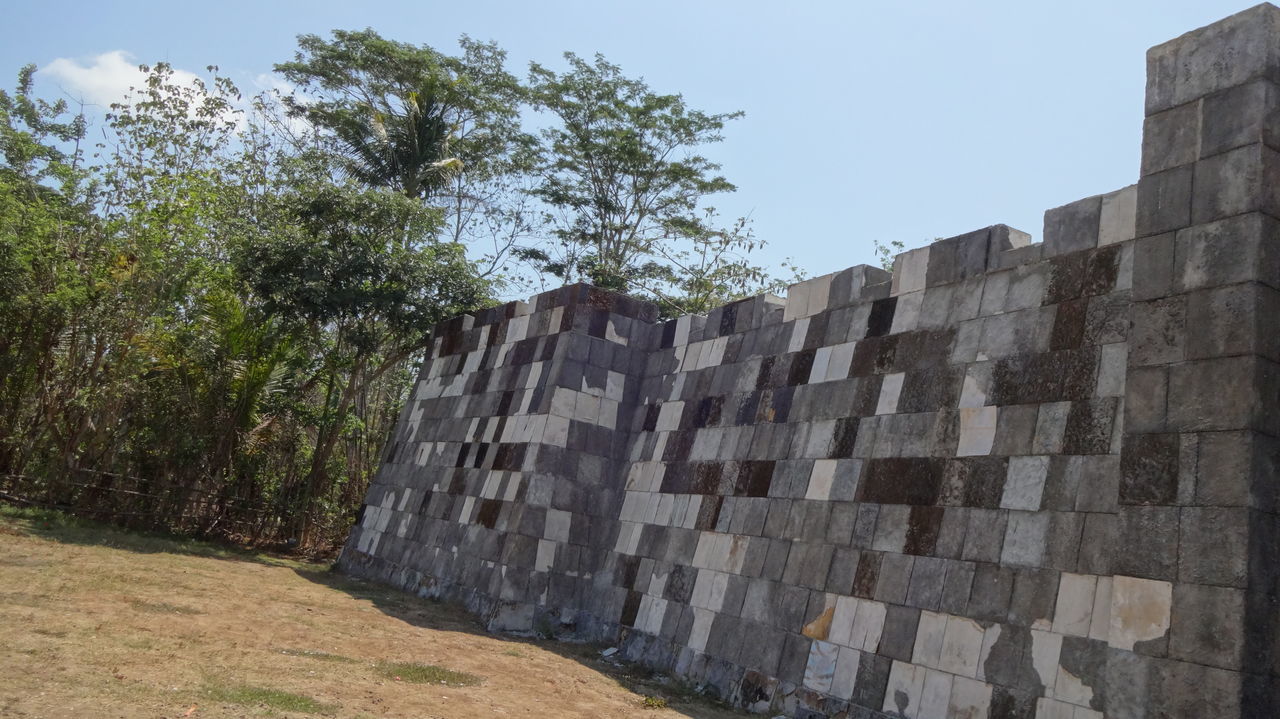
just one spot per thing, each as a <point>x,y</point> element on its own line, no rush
<point>1005,480</point>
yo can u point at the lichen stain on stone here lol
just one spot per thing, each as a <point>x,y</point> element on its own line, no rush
<point>820,627</point>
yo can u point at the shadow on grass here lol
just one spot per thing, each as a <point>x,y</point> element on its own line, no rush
<point>57,526</point>
<point>653,690</point>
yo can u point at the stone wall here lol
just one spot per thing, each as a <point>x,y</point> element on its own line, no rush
<point>1006,480</point>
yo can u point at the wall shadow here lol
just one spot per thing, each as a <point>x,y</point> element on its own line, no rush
<point>448,616</point>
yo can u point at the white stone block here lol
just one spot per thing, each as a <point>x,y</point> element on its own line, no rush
<point>820,671</point>
<point>820,479</point>
<point>841,360</point>
<point>701,629</point>
<point>929,635</point>
<point>1119,216</point>
<point>798,332</point>
<point>935,696</point>
<point>1100,622</point>
<point>1024,483</point>
<point>1052,709</point>
<point>1074,608</point>
<point>969,699</point>
<point>1140,610</point>
<point>906,314</point>
<point>890,389</point>
<point>961,647</point>
<point>977,431</point>
<point>821,358</point>
<point>1046,649</point>
<point>1112,365</point>
<point>909,271</point>
<point>846,675</point>
<point>546,555</point>
<point>868,625</point>
<point>906,685</point>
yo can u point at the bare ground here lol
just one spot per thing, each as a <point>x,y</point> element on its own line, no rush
<point>96,622</point>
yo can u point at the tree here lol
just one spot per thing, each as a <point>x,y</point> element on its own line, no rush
<point>432,126</point>
<point>620,171</point>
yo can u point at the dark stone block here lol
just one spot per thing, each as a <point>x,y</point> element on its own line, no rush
<point>1148,543</point>
<point>924,524</point>
<point>1069,325</point>
<point>880,320</point>
<point>898,638</point>
<point>1035,593</point>
<point>902,480</point>
<point>867,575</point>
<point>991,593</point>
<point>1089,426</point>
<point>1066,278</point>
<point>1149,469</point>
<point>956,587</point>
<point>873,679</point>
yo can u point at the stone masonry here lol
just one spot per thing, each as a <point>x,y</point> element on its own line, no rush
<point>1006,480</point>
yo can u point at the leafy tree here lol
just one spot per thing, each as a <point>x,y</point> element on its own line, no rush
<point>620,171</point>
<point>442,128</point>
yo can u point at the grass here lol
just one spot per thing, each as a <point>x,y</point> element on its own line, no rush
<point>98,621</point>
<point>652,702</point>
<point>251,696</point>
<point>161,607</point>
<point>320,656</point>
<point>416,673</point>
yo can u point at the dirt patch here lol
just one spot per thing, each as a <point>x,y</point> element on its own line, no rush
<point>100,623</point>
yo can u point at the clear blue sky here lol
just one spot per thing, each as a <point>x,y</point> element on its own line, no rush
<point>890,120</point>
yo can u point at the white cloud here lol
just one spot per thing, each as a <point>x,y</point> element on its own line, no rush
<point>102,79</point>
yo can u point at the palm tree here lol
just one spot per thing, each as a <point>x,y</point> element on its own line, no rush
<point>408,151</point>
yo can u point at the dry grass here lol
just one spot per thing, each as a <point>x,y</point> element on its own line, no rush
<point>95,622</point>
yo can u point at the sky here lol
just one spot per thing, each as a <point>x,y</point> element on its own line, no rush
<point>864,122</point>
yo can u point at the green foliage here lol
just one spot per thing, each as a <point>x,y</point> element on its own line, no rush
<point>619,171</point>
<point>210,319</point>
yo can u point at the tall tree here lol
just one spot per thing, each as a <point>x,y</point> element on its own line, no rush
<point>620,170</point>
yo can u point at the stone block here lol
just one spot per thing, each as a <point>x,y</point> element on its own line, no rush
<point>1146,399</point>
<point>1164,201</point>
<point>1228,53</point>
<point>1024,539</point>
<point>1149,465</point>
<point>1171,138</point>
<point>1073,610</point>
<point>1214,546</point>
<point>1239,116</point>
<point>1072,227</point>
<point>894,578</point>
<point>1034,594</point>
<point>1235,249</point>
<point>1149,536</point>
<point>927,582</point>
<point>1208,625</point>
<point>1235,182</point>
<point>1098,539</point>
<point>1155,255</point>
<point>991,593</point>
<point>899,635</point>
<point>1233,320</point>
<point>1025,482</point>
<point>1140,613</point>
<point>1118,216</point>
<point>1217,394</point>
<point>1159,332</point>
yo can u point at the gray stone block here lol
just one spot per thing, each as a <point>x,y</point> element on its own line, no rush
<point>1243,115</point>
<point>1214,546</point>
<point>1208,626</point>
<point>991,593</point>
<point>1235,182</point>
<point>898,638</point>
<point>1164,201</point>
<point>1225,54</point>
<point>1171,138</point>
<point>1148,543</point>
<point>1072,227</point>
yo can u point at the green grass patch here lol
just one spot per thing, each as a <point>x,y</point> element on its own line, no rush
<point>416,673</point>
<point>320,656</point>
<point>245,695</point>
<point>652,702</point>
